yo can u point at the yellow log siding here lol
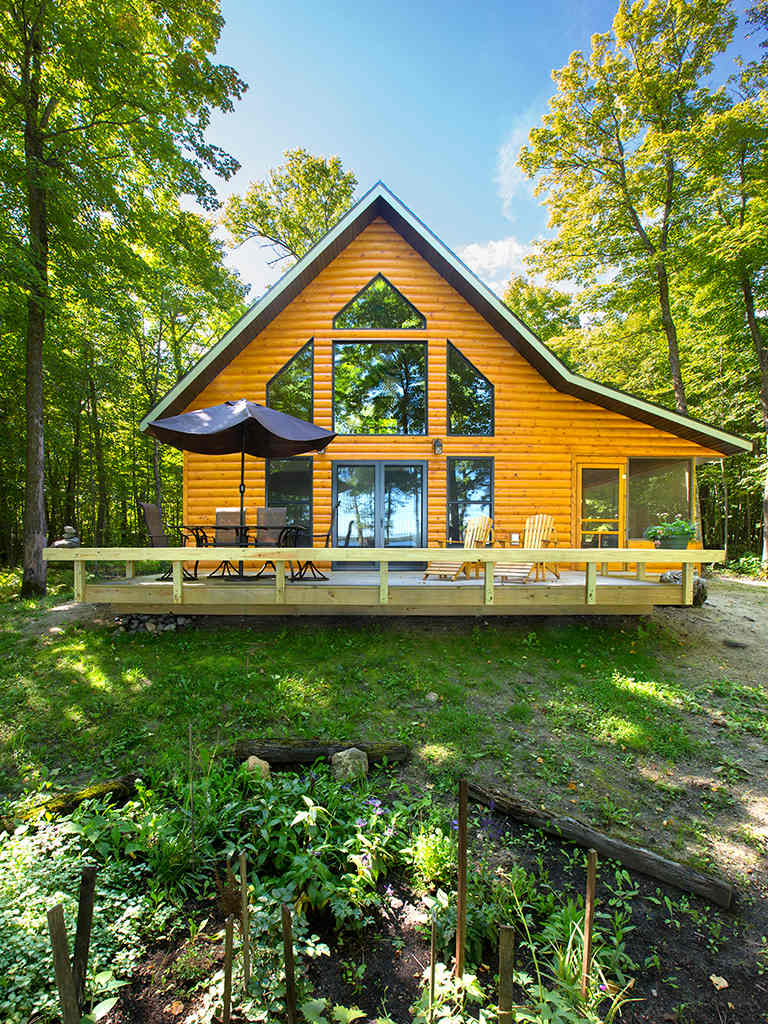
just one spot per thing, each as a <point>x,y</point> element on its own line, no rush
<point>540,433</point>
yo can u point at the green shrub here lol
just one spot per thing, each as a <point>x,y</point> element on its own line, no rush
<point>39,869</point>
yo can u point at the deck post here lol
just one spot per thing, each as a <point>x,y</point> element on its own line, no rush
<point>488,582</point>
<point>641,567</point>
<point>79,581</point>
<point>383,582</point>
<point>178,582</point>
<point>130,570</point>
<point>687,583</point>
<point>279,582</point>
<point>590,583</point>
<point>603,568</point>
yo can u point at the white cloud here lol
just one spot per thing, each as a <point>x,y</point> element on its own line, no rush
<point>512,183</point>
<point>496,260</point>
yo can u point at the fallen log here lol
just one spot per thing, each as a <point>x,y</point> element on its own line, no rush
<point>289,751</point>
<point>119,790</point>
<point>634,857</point>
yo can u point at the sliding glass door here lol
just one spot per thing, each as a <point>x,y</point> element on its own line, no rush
<point>379,505</point>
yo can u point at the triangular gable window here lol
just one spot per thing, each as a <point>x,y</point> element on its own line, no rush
<point>379,306</point>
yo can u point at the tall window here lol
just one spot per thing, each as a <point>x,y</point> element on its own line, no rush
<point>379,305</point>
<point>290,390</point>
<point>470,397</point>
<point>380,387</point>
<point>470,492</point>
<point>659,492</point>
<point>289,485</point>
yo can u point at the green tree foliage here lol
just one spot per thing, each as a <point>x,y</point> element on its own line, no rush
<point>547,311</point>
<point>101,104</point>
<point>294,206</point>
<point>612,151</point>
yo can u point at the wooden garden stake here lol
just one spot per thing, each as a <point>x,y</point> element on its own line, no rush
<point>83,930</point>
<point>432,962</point>
<point>506,974</point>
<point>227,1000</point>
<point>65,983</point>
<point>290,975</point>
<point>461,894</point>
<point>191,792</point>
<point>589,916</point>
<point>245,922</point>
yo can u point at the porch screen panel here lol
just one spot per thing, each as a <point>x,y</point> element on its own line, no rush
<point>289,485</point>
<point>659,491</point>
<point>470,492</point>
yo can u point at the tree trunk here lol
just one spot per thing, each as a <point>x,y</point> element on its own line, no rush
<point>726,508</point>
<point>73,475</point>
<point>102,507</point>
<point>761,351</point>
<point>35,568</point>
<point>156,473</point>
<point>671,333</point>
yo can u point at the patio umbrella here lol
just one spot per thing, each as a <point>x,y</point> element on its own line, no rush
<point>244,427</point>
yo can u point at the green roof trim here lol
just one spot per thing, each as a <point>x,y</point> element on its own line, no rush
<point>380,202</point>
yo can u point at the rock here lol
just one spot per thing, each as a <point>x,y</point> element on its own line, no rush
<point>395,903</point>
<point>258,766</point>
<point>350,764</point>
<point>734,643</point>
<point>69,538</point>
<point>432,697</point>
<point>699,586</point>
<point>151,627</point>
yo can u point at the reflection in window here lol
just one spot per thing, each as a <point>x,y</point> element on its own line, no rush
<point>470,493</point>
<point>380,388</point>
<point>403,497</point>
<point>289,486</point>
<point>290,390</point>
<point>600,526</point>
<point>356,506</point>
<point>379,305</point>
<point>470,397</point>
<point>659,491</point>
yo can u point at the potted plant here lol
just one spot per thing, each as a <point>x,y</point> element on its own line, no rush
<point>672,535</point>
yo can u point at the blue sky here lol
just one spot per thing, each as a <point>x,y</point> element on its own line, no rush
<point>433,98</point>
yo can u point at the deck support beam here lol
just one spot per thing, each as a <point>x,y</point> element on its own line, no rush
<point>590,583</point>
<point>130,570</point>
<point>640,571</point>
<point>383,582</point>
<point>687,583</point>
<point>79,581</point>
<point>279,582</point>
<point>178,582</point>
<point>488,568</point>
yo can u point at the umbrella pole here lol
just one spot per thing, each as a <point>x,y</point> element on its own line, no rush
<point>242,537</point>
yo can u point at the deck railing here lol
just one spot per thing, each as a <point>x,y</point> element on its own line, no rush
<point>590,558</point>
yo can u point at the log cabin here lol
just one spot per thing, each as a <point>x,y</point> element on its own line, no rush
<point>445,404</point>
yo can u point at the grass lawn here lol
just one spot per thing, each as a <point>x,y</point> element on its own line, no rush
<point>653,730</point>
<point>601,719</point>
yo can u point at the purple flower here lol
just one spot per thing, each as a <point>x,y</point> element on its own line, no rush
<point>388,831</point>
<point>373,801</point>
<point>389,892</point>
<point>455,825</point>
<point>378,810</point>
<point>360,822</point>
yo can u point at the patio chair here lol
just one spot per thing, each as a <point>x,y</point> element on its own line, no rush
<point>271,522</point>
<point>476,535</point>
<point>301,532</point>
<point>161,536</point>
<point>539,531</point>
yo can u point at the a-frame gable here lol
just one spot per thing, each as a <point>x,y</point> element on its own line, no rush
<point>380,202</point>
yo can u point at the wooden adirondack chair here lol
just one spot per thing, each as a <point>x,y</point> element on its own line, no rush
<point>476,535</point>
<point>539,531</point>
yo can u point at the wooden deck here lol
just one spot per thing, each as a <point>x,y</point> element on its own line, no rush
<point>588,590</point>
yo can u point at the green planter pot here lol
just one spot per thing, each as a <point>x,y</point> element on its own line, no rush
<point>674,543</point>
